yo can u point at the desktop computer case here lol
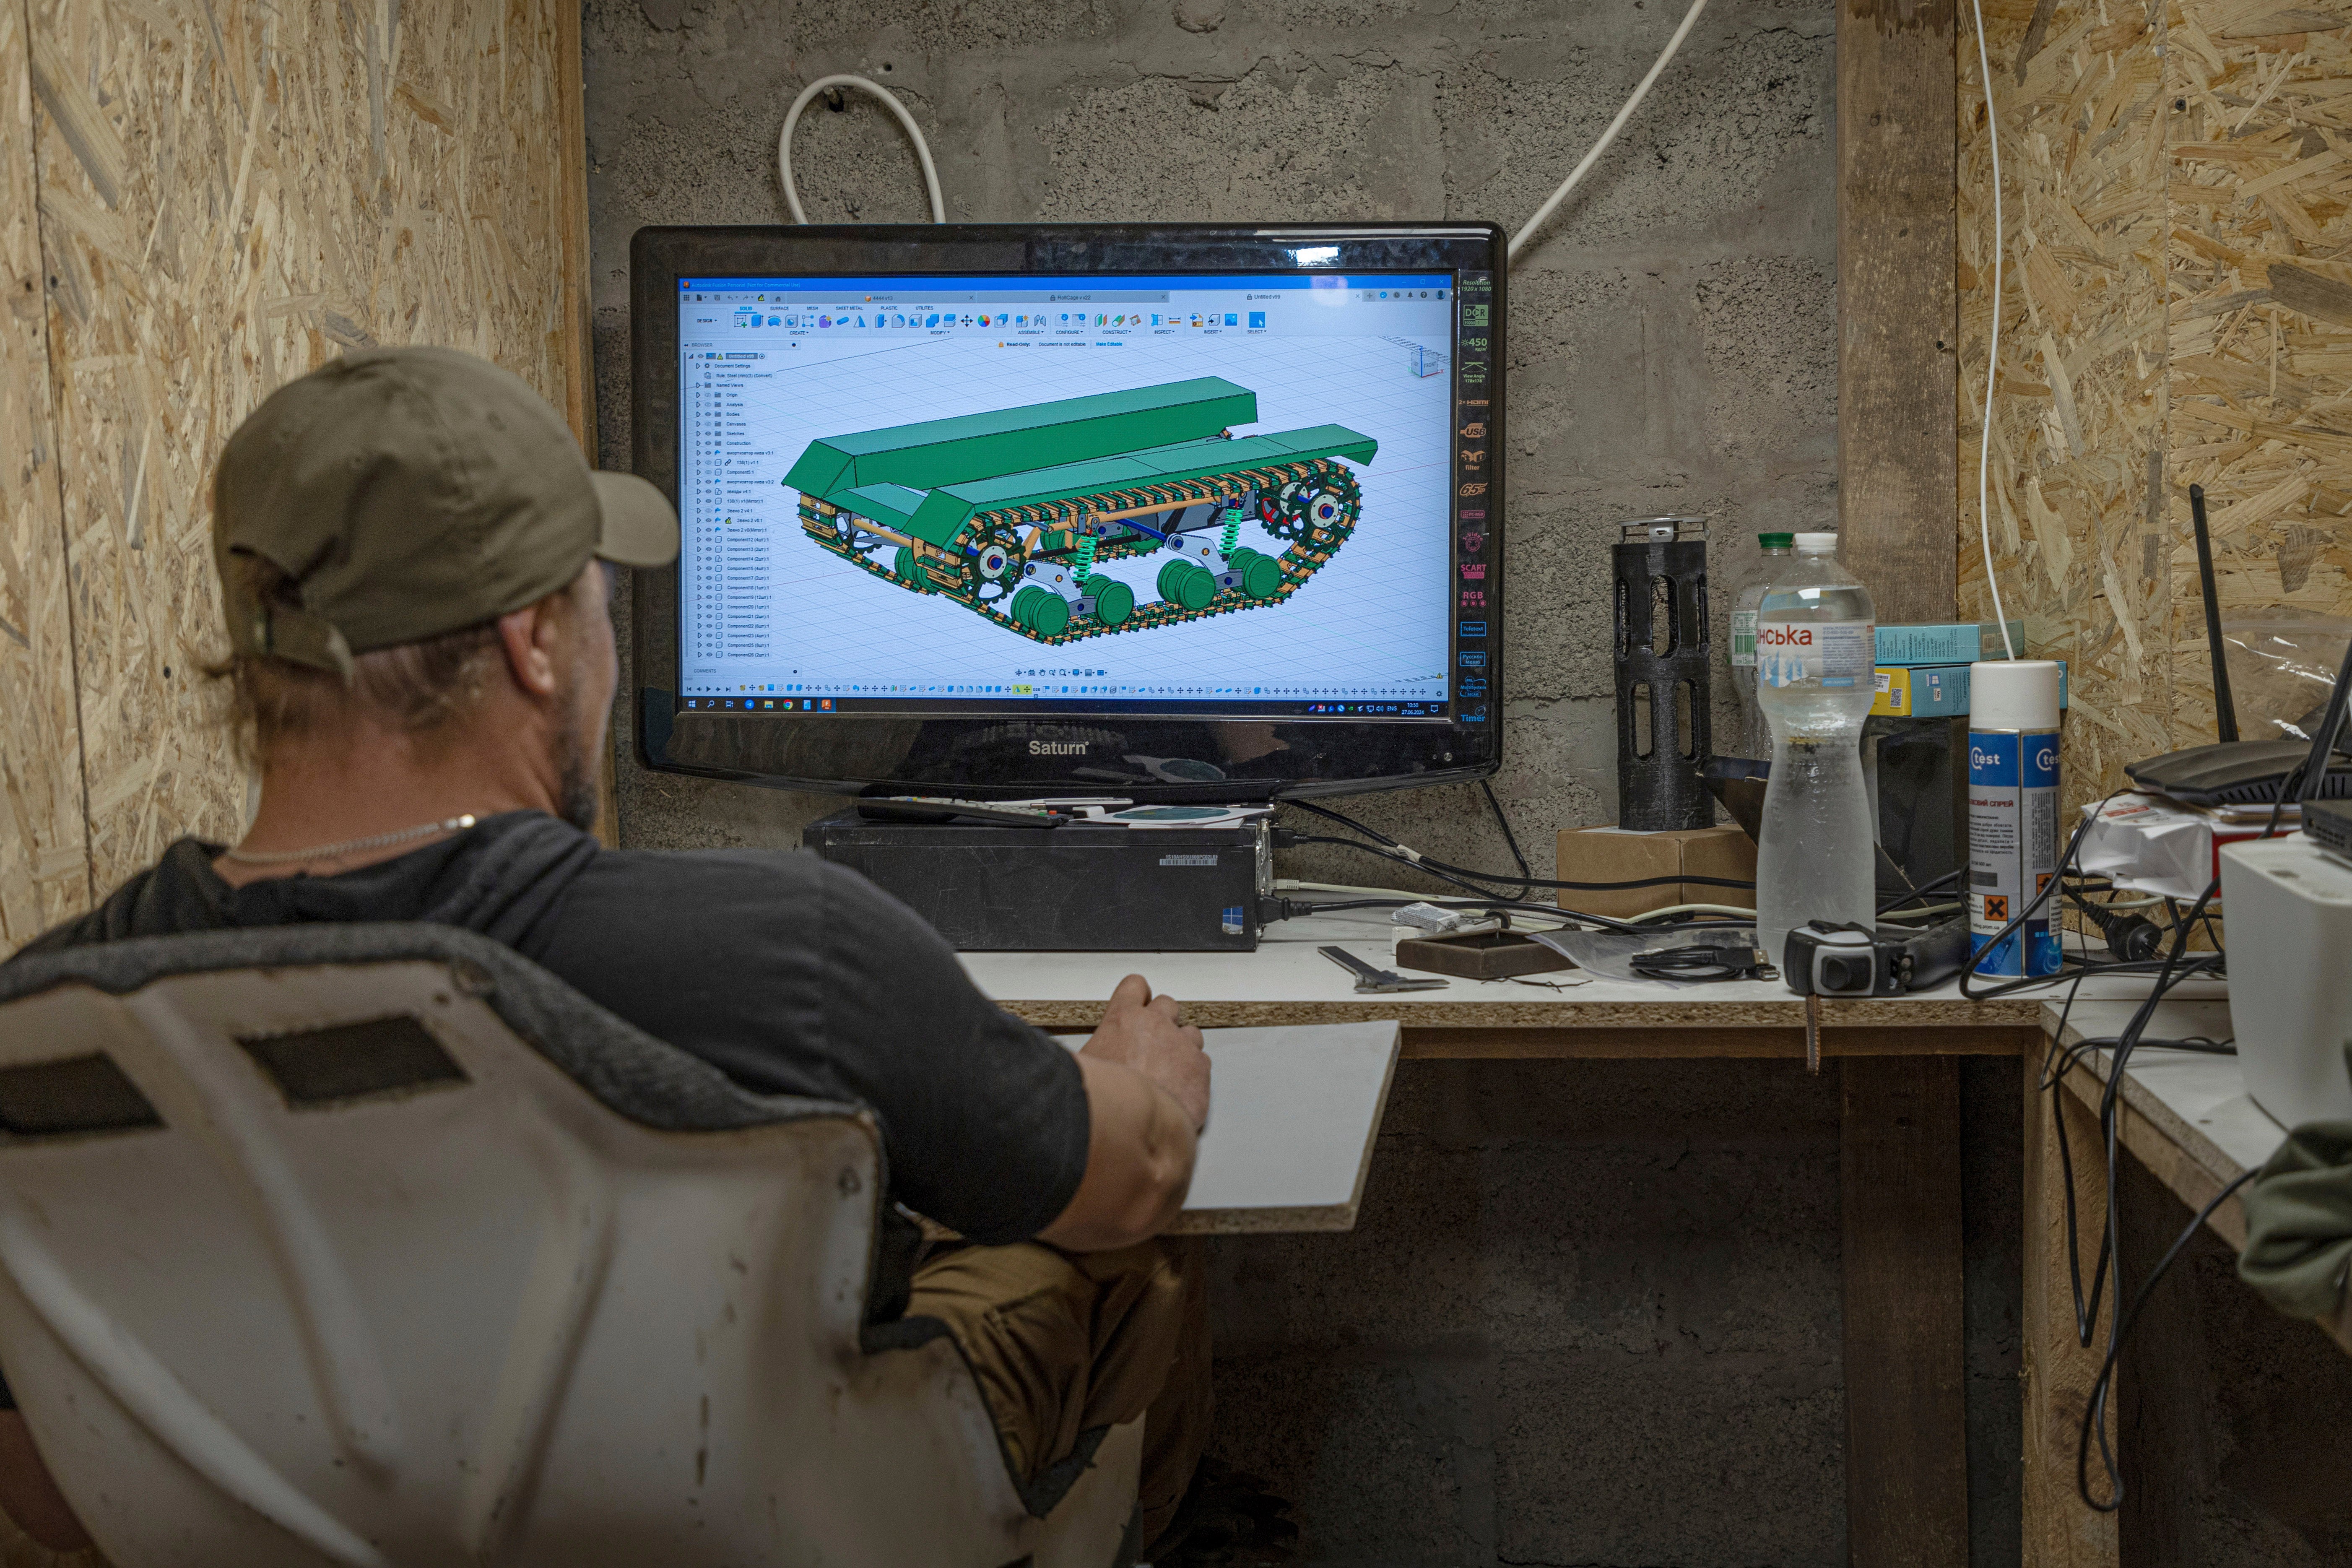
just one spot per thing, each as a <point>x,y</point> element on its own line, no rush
<point>1077,889</point>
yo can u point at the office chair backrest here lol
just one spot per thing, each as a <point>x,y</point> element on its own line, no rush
<point>376,1244</point>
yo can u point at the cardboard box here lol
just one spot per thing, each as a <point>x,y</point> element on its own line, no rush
<point>1613,855</point>
<point>1951,643</point>
<point>1931,691</point>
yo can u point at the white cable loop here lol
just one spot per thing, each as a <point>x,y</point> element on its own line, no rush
<point>1992,360</point>
<point>889,102</point>
<point>1690,19</point>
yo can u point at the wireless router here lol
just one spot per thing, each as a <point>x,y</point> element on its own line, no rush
<point>2233,771</point>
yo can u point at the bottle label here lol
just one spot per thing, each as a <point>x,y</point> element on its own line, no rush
<point>1820,653</point>
<point>2013,851</point>
<point>1743,639</point>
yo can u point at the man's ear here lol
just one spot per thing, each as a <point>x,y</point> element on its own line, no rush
<point>528,637</point>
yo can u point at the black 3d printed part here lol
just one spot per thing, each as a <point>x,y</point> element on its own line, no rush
<point>1662,658</point>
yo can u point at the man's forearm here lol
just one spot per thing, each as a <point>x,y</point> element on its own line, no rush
<point>1140,1151</point>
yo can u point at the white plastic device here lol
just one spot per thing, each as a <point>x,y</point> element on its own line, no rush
<point>2289,907</point>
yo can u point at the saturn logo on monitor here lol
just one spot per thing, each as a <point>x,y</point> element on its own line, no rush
<point>1057,748</point>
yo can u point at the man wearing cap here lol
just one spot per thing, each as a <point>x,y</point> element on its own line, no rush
<point>412,553</point>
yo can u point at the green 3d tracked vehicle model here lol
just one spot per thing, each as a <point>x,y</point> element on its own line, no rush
<point>1016,514</point>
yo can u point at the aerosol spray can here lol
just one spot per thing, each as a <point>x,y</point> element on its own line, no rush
<point>2013,813</point>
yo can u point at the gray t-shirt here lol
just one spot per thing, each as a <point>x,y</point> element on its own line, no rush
<point>789,974</point>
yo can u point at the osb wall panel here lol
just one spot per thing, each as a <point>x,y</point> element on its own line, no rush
<point>44,860</point>
<point>2175,312</point>
<point>232,192</point>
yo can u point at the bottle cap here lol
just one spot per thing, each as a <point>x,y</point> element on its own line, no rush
<point>2014,694</point>
<point>1816,543</point>
<point>1777,540</point>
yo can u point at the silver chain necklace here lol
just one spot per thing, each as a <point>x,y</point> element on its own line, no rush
<point>348,845</point>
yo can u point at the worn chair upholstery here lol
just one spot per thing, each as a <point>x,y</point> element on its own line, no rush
<point>376,1244</point>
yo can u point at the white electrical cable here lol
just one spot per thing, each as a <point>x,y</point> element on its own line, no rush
<point>1591,157</point>
<point>1992,360</point>
<point>1648,915</point>
<point>889,102</point>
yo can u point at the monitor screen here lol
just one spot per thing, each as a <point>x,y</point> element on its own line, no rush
<point>1219,494</point>
<point>1168,486</point>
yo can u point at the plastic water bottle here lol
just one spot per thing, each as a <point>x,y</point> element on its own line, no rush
<point>1754,737</point>
<point>1815,648</point>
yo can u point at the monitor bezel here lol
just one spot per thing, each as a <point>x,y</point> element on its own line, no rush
<point>1021,754</point>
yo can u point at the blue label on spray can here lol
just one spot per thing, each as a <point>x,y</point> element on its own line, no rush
<point>2012,849</point>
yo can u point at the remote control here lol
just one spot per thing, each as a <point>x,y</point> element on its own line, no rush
<point>942,808</point>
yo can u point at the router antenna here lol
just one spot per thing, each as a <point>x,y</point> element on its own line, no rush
<point>2224,711</point>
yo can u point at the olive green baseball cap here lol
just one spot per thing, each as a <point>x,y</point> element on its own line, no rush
<point>412,491</point>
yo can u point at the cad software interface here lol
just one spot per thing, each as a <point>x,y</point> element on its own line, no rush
<point>1227,493</point>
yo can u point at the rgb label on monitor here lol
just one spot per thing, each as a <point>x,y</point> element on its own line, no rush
<point>1203,494</point>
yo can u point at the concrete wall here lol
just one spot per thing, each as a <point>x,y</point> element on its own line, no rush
<point>1673,345</point>
<point>1591,1314</point>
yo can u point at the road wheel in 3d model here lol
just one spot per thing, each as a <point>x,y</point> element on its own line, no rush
<point>1187,587</point>
<point>1114,599</point>
<point>1261,573</point>
<point>910,571</point>
<point>1049,613</point>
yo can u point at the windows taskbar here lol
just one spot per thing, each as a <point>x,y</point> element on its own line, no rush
<point>1075,706</point>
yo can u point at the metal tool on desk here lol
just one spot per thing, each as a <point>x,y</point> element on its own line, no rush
<point>1371,977</point>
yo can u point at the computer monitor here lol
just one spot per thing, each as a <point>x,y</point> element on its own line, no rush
<point>1162,511</point>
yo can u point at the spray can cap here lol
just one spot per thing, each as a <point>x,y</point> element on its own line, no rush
<point>1777,540</point>
<point>2014,694</point>
<point>1816,543</point>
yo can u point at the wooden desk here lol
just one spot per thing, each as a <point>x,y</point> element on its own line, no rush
<point>1288,981</point>
<point>2185,1116</point>
<point>1900,1176</point>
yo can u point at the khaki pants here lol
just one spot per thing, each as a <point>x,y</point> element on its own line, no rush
<point>1065,1342</point>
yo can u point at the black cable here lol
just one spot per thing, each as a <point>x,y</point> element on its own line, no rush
<point>1287,909</point>
<point>1510,839</point>
<point>1935,887</point>
<point>2094,1412</point>
<point>1440,867</point>
<point>2130,935</point>
<point>1456,875</point>
<point>2111,1126</point>
<point>2058,875</point>
<point>2085,1315</point>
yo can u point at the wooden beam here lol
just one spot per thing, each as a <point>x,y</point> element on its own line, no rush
<point>45,874</point>
<point>576,354</point>
<point>1906,1478</point>
<point>1425,1043</point>
<point>1906,1426</point>
<point>1897,312</point>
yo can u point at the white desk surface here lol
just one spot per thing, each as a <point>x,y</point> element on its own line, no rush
<point>2206,1131</point>
<point>1293,1114</point>
<point>1285,981</point>
<point>2197,1101</point>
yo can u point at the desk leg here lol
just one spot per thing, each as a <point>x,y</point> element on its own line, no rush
<point>1906,1469</point>
<point>2060,1532</point>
